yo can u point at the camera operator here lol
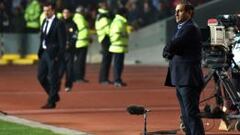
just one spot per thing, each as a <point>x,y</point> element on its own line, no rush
<point>232,26</point>
<point>236,58</point>
<point>234,21</point>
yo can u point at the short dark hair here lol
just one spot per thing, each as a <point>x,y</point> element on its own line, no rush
<point>53,5</point>
<point>188,7</point>
<point>70,9</point>
<point>122,11</point>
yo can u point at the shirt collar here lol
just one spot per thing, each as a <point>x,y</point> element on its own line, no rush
<point>179,26</point>
<point>50,19</point>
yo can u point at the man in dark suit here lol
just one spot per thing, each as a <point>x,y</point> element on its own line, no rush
<point>184,55</point>
<point>51,51</point>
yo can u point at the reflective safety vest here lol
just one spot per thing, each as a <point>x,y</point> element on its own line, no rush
<point>59,15</point>
<point>102,24</point>
<point>119,35</point>
<point>32,14</point>
<point>83,31</point>
<point>42,17</point>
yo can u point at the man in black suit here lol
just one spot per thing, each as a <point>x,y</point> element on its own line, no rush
<point>184,55</point>
<point>51,51</point>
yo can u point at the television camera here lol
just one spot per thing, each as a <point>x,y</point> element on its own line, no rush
<point>220,59</point>
<point>224,35</point>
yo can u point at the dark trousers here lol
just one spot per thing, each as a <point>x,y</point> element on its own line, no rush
<point>80,63</point>
<point>188,98</point>
<point>67,68</point>
<point>48,76</point>
<point>118,66</point>
<point>105,66</point>
<point>106,60</point>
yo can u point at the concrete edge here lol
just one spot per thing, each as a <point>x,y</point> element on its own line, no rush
<point>35,124</point>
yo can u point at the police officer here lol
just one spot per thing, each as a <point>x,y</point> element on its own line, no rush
<point>102,25</point>
<point>71,33</point>
<point>119,44</point>
<point>81,45</point>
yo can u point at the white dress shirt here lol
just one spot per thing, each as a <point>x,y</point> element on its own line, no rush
<point>50,20</point>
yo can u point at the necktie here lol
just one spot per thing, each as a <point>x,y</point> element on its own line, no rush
<point>44,35</point>
<point>46,26</point>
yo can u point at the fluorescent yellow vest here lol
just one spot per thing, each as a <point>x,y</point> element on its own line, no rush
<point>119,35</point>
<point>42,17</point>
<point>83,31</point>
<point>32,14</point>
<point>102,25</point>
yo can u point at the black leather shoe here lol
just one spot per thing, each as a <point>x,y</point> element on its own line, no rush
<point>49,106</point>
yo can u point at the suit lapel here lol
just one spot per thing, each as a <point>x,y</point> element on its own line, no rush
<point>178,31</point>
<point>44,21</point>
<point>52,26</point>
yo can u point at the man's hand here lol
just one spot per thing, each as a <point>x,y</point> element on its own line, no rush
<point>166,54</point>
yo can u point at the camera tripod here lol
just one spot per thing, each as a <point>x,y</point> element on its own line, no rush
<point>220,62</point>
<point>228,91</point>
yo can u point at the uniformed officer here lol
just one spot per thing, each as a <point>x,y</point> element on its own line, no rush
<point>119,44</point>
<point>82,43</point>
<point>102,25</point>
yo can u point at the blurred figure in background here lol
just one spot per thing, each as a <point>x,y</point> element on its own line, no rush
<point>32,16</point>
<point>82,43</point>
<point>4,18</point>
<point>134,14</point>
<point>119,44</point>
<point>18,21</point>
<point>18,26</point>
<point>102,25</point>
<point>149,15</point>
<point>71,33</point>
<point>163,10</point>
<point>113,5</point>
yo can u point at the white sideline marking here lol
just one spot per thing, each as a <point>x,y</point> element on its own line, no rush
<point>34,124</point>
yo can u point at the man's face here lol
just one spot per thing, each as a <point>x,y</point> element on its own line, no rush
<point>49,11</point>
<point>66,14</point>
<point>181,14</point>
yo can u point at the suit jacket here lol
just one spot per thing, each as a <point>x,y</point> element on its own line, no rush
<point>71,34</point>
<point>55,40</point>
<point>184,54</point>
